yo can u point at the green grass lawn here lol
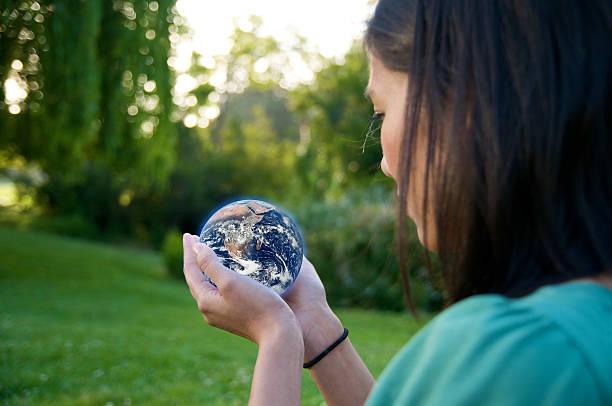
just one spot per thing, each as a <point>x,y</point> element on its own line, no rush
<point>83,323</point>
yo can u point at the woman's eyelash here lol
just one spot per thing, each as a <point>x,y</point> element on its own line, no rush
<point>371,130</point>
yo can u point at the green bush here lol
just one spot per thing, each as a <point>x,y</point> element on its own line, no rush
<point>351,242</point>
<point>172,254</point>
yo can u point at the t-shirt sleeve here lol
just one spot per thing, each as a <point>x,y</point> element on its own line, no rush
<point>486,350</point>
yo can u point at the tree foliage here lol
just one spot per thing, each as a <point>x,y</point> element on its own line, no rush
<point>90,85</point>
<point>334,120</point>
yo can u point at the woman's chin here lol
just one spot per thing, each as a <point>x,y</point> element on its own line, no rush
<point>430,245</point>
<point>420,235</point>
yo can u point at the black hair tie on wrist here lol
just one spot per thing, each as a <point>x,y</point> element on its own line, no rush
<point>328,350</point>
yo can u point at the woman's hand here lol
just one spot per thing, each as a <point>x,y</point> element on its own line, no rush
<point>238,304</point>
<point>307,293</point>
<point>320,326</point>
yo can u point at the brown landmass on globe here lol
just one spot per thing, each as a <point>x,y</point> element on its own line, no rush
<point>239,212</point>
<point>250,213</point>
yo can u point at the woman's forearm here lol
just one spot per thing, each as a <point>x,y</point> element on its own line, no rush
<point>341,376</point>
<point>277,378</point>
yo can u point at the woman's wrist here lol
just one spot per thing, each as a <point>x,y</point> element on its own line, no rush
<point>319,332</point>
<point>288,333</point>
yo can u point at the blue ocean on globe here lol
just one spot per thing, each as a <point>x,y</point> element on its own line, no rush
<point>256,239</point>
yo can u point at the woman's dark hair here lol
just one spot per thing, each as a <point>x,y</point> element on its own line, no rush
<point>518,96</point>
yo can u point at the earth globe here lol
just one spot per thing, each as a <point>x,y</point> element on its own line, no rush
<point>257,239</point>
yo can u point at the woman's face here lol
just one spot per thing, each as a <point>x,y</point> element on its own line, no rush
<point>387,90</point>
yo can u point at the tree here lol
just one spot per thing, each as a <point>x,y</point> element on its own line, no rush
<point>334,120</point>
<point>88,83</point>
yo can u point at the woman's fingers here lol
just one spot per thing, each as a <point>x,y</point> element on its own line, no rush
<point>238,304</point>
<point>198,285</point>
<point>208,262</point>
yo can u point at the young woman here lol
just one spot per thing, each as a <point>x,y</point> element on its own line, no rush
<point>496,129</point>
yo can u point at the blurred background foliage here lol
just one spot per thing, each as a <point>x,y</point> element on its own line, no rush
<point>96,142</point>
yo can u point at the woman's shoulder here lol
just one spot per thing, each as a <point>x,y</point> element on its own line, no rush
<point>581,310</point>
<point>491,349</point>
<point>569,306</point>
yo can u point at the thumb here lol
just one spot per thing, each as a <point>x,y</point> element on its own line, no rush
<point>209,263</point>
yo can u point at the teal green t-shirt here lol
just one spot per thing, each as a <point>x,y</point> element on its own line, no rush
<point>552,347</point>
